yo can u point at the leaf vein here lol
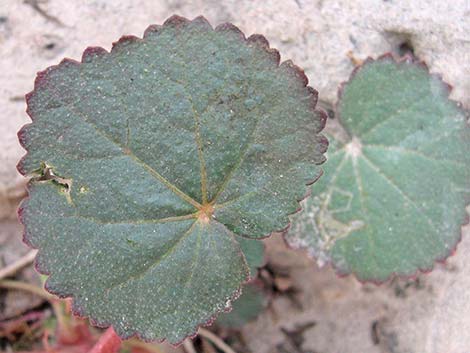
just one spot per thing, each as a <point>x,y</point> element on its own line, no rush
<point>157,261</point>
<point>392,116</point>
<point>417,153</point>
<point>135,222</point>
<point>400,191</point>
<point>131,155</point>
<point>237,165</point>
<point>368,231</point>
<point>200,151</point>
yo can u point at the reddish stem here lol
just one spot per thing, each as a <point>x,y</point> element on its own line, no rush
<point>109,342</point>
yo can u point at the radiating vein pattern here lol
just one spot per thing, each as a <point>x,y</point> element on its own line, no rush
<point>393,197</point>
<point>180,150</point>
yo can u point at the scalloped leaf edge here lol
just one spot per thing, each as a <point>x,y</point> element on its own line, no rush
<point>89,54</point>
<point>406,59</point>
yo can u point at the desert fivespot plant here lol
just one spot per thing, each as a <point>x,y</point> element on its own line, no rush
<point>397,181</point>
<point>157,166</point>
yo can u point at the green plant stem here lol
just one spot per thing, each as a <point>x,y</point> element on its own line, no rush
<point>11,284</point>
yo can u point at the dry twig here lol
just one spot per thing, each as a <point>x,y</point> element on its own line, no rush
<point>26,287</point>
<point>188,346</point>
<point>35,5</point>
<point>18,264</point>
<point>218,342</point>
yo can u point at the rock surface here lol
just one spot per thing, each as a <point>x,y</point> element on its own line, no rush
<point>429,315</point>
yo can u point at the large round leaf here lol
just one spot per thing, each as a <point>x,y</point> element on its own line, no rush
<point>161,155</point>
<point>393,197</point>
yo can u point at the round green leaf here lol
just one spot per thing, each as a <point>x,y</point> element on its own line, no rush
<point>161,155</point>
<point>393,197</point>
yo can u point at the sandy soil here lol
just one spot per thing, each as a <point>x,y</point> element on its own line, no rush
<point>430,314</point>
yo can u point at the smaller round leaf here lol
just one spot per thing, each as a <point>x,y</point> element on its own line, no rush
<point>393,197</point>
